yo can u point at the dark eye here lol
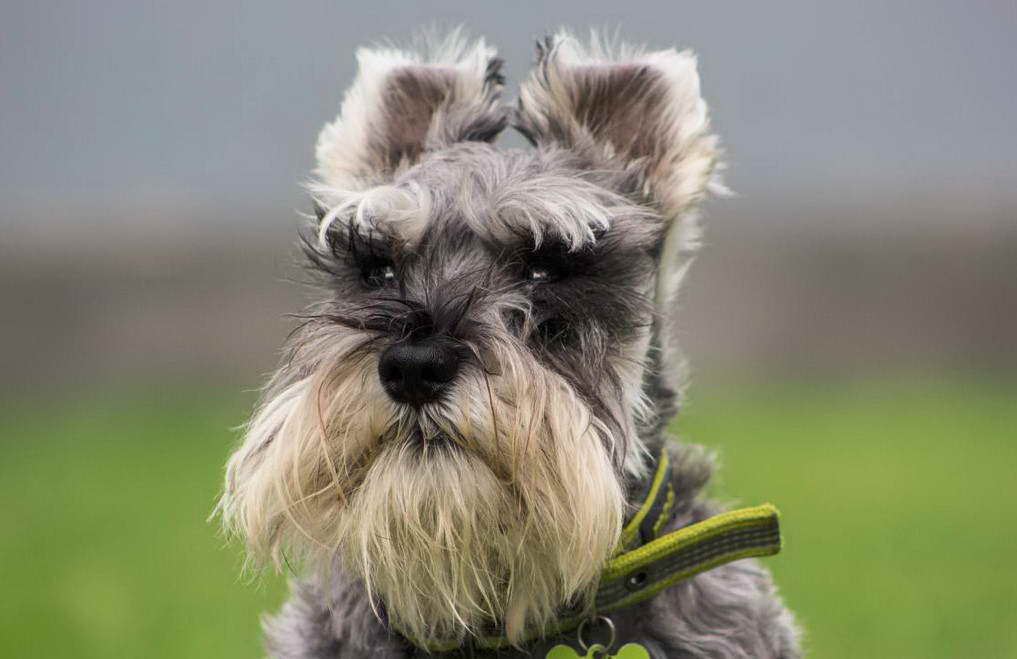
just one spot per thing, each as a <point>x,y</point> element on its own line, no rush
<point>379,275</point>
<point>542,273</point>
<point>538,274</point>
<point>549,262</point>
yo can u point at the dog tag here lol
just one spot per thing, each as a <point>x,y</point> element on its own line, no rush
<point>627,651</point>
<point>565,652</point>
<point>632,651</point>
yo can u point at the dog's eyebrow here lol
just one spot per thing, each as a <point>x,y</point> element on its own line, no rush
<point>549,207</point>
<point>552,207</point>
<point>398,211</point>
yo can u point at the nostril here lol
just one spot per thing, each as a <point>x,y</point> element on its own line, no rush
<point>388,370</point>
<point>442,369</point>
<point>432,374</point>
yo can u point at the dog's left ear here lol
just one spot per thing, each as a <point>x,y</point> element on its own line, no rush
<point>404,103</point>
<point>638,110</point>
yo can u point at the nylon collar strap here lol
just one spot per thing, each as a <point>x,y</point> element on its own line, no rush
<point>647,563</point>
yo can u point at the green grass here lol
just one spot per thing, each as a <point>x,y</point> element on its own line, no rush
<point>897,509</point>
<point>897,504</point>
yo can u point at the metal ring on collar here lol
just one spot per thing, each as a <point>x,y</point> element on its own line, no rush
<point>582,627</point>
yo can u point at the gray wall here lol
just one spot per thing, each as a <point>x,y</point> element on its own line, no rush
<point>152,154</point>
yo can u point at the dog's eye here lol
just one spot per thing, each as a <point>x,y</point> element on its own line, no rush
<point>538,274</point>
<point>541,273</point>
<point>548,263</point>
<point>379,275</point>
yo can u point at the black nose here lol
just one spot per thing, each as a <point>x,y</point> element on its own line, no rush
<point>418,372</point>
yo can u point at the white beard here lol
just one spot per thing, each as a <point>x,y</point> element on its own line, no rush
<point>502,504</point>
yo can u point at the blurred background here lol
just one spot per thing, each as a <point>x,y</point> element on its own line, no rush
<point>851,321</point>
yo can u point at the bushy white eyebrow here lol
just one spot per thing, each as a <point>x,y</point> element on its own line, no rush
<point>403,209</point>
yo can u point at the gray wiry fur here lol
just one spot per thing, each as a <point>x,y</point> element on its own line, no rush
<point>551,274</point>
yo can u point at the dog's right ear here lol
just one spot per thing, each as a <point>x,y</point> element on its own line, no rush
<point>405,103</point>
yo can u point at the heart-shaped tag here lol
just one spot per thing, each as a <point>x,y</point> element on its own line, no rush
<point>627,651</point>
<point>632,651</point>
<point>565,652</point>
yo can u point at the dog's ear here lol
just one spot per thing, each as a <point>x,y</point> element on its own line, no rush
<point>641,110</point>
<point>404,103</point>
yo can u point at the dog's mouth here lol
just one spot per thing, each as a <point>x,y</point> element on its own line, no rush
<point>427,428</point>
<point>429,446</point>
<point>421,438</point>
<point>431,441</point>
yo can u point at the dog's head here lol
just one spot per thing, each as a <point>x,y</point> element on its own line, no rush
<point>456,422</point>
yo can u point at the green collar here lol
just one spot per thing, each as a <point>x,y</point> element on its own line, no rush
<point>647,563</point>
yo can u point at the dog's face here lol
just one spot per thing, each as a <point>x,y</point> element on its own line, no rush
<point>455,423</point>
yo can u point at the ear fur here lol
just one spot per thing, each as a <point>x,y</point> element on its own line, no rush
<point>639,109</point>
<point>404,103</point>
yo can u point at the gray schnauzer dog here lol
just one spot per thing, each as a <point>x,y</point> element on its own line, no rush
<point>463,432</point>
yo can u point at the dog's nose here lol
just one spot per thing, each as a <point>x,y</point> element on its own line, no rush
<point>418,372</point>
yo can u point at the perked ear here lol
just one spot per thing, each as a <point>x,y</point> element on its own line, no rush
<point>640,110</point>
<point>404,103</point>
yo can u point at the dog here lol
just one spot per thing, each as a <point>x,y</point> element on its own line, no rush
<point>464,432</point>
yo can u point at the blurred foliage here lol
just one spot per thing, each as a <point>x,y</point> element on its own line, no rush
<point>896,500</point>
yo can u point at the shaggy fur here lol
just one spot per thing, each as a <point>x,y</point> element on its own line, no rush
<point>550,275</point>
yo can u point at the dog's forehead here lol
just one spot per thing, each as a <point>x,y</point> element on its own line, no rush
<point>504,196</point>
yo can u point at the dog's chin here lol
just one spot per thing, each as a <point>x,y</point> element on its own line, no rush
<point>451,547</point>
